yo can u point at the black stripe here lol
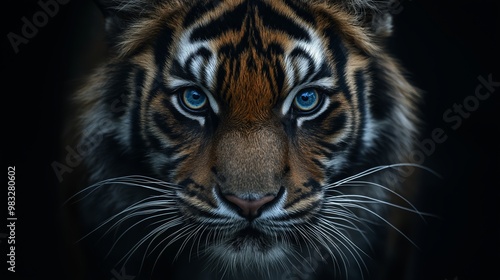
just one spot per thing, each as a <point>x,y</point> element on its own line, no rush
<point>361,94</point>
<point>162,124</point>
<point>297,52</point>
<point>314,187</point>
<point>324,72</point>
<point>201,213</point>
<point>266,72</point>
<point>118,90</point>
<point>197,11</point>
<point>206,54</point>
<point>139,83</point>
<point>340,55</point>
<point>318,163</point>
<point>279,22</point>
<point>162,48</point>
<point>157,145</point>
<point>334,105</point>
<point>301,12</point>
<point>135,113</point>
<point>227,64</point>
<point>274,51</point>
<point>298,199</point>
<point>198,194</point>
<point>357,149</point>
<point>187,68</point>
<point>336,124</point>
<point>187,72</point>
<point>334,147</point>
<point>313,184</point>
<point>279,76</point>
<point>157,87</point>
<point>153,140</point>
<point>220,77</point>
<point>329,146</point>
<point>300,214</point>
<point>230,20</point>
<point>176,70</point>
<point>381,102</point>
<point>233,20</point>
<point>173,165</point>
<point>323,152</point>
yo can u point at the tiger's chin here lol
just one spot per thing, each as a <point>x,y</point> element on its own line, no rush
<point>248,249</point>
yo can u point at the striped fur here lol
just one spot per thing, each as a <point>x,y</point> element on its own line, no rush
<point>248,63</point>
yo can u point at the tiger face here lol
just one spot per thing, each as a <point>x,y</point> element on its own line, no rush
<point>244,130</point>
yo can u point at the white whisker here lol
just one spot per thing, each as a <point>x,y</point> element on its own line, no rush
<point>356,198</point>
<point>131,180</point>
<point>130,208</point>
<point>156,233</point>
<point>377,169</point>
<point>179,234</point>
<point>354,205</point>
<point>135,224</point>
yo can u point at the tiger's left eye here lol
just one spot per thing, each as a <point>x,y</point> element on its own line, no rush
<point>194,99</point>
<point>306,100</point>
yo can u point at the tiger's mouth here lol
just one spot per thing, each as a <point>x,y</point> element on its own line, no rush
<point>245,234</point>
<point>250,237</point>
<point>253,237</point>
<point>247,248</point>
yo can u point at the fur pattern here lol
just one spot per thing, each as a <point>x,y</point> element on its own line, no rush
<point>216,167</point>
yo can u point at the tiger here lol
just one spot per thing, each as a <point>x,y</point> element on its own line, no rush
<point>244,139</point>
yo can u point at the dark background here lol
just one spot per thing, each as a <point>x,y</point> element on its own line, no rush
<point>444,45</point>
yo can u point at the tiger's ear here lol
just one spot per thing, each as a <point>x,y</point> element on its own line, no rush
<point>119,13</point>
<point>124,7</point>
<point>374,14</point>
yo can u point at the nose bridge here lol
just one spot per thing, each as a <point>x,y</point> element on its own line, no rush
<point>251,164</point>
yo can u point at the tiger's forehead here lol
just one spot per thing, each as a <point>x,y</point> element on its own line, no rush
<point>250,52</point>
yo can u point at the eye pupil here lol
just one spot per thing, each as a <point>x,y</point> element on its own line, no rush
<point>193,99</point>
<point>306,100</point>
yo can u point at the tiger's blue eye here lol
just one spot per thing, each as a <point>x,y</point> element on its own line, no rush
<point>194,99</point>
<point>306,100</point>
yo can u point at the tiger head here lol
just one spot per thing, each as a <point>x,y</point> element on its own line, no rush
<point>261,131</point>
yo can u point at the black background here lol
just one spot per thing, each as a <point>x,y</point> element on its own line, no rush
<point>444,45</point>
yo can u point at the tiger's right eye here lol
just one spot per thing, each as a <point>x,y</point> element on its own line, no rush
<point>306,100</point>
<point>194,99</point>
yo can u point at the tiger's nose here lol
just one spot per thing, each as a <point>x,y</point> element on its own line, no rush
<point>249,208</point>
